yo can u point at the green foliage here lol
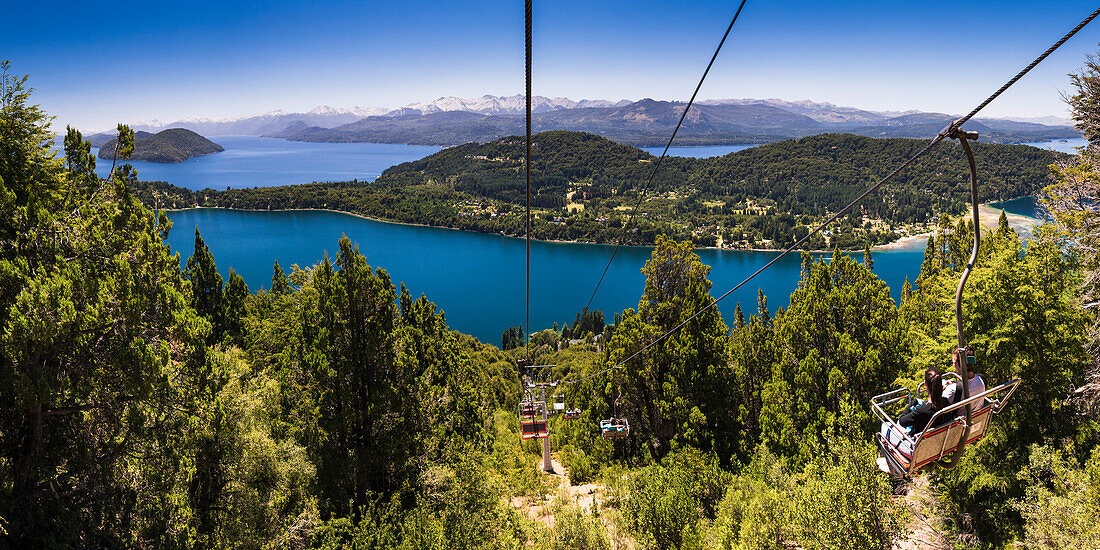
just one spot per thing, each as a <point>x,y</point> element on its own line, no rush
<point>582,467</point>
<point>279,283</point>
<point>1083,103</point>
<point>125,147</point>
<point>81,164</point>
<point>844,502</point>
<point>1062,500</point>
<point>142,405</point>
<point>576,530</point>
<point>1021,318</point>
<point>667,500</point>
<point>207,294</point>
<point>587,322</point>
<point>756,511</point>
<point>839,500</point>
<point>838,344</point>
<point>673,392</point>
<point>96,324</point>
<point>171,145</point>
<point>30,177</point>
<point>236,297</point>
<point>512,338</point>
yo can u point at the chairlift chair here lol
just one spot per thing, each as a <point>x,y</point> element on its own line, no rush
<point>907,454</point>
<point>953,427</point>
<point>532,428</point>
<point>528,408</point>
<point>532,420</point>
<point>572,414</point>
<point>614,428</point>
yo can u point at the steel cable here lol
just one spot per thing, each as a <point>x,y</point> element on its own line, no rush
<point>657,165</point>
<point>946,132</point>
<point>527,163</point>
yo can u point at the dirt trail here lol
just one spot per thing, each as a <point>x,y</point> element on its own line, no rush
<point>925,530</point>
<point>588,496</point>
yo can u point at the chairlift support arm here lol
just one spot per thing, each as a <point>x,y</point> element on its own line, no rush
<point>962,363</point>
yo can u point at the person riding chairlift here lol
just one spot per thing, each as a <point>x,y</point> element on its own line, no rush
<point>976,385</point>
<point>916,418</point>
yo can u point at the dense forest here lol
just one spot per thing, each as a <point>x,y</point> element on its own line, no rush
<point>584,187</point>
<point>148,404</point>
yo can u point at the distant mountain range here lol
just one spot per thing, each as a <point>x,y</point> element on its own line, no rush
<point>171,145</point>
<point>452,120</point>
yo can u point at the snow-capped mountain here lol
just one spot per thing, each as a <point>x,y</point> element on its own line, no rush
<point>585,114</point>
<point>323,116</point>
<point>325,110</point>
<point>823,112</point>
<point>505,105</point>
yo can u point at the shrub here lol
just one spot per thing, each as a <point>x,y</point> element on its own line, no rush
<point>582,467</point>
<point>843,501</point>
<point>1063,501</point>
<point>576,530</point>
<point>755,512</point>
<point>668,499</point>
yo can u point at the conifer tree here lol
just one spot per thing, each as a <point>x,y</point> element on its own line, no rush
<point>236,297</point>
<point>95,323</point>
<point>673,392</point>
<point>841,343</point>
<point>279,282</point>
<point>207,294</point>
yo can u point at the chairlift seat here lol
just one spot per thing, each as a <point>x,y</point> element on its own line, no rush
<point>907,454</point>
<point>531,429</point>
<point>572,414</point>
<point>614,428</point>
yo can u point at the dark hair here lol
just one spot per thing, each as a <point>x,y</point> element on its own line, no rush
<point>933,382</point>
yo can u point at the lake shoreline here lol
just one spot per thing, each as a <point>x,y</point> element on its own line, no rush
<point>478,280</point>
<point>903,243</point>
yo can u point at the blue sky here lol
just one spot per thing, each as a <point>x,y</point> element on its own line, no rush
<point>95,63</point>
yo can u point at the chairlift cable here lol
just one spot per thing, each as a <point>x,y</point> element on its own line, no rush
<point>657,165</point>
<point>527,164</point>
<point>951,130</point>
<point>1027,69</point>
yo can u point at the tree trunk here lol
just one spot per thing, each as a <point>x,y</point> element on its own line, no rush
<point>27,459</point>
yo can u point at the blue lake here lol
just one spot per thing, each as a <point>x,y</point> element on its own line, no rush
<point>478,279</point>
<point>250,161</point>
<point>1066,146</point>
<point>1024,206</point>
<point>700,152</point>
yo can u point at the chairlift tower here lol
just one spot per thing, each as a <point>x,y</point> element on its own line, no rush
<point>542,385</point>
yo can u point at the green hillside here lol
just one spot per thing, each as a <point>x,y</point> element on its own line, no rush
<point>584,185</point>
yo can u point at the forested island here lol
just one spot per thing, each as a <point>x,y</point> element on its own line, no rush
<point>584,187</point>
<point>171,145</point>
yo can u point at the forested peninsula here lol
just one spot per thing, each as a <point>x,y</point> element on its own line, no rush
<point>584,187</point>
<point>171,145</point>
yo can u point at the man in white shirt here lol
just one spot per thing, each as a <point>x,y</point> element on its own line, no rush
<point>976,385</point>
